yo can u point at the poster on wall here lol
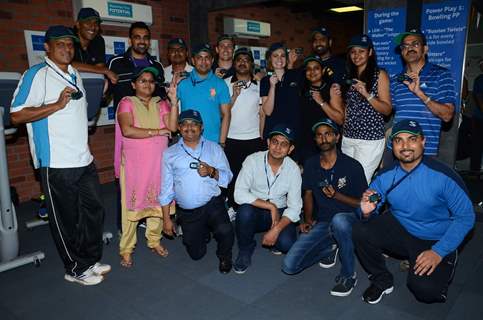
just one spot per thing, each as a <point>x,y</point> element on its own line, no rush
<point>34,41</point>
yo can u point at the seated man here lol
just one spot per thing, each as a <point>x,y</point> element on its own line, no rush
<point>268,192</point>
<point>336,182</point>
<point>430,215</point>
<point>193,170</point>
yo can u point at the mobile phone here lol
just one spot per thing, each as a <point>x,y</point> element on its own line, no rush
<point>324,183</point>
<point>194,165</point>
<point>404,77</point>
<point>375,197</point>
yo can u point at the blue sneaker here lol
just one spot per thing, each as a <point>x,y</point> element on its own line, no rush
<point>241,264</point>
<point>330,260</point>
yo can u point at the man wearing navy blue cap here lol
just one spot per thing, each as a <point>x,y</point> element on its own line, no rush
<point>422,90</point>
<point>430,213</point>
<point>203,91</point>
<point>194,169</point>
<point>335,182</point>
<point>334,67</point>
<point>178,58</point>
<point>268,192</point>
<point>51,100</point>
<point>90,50</point>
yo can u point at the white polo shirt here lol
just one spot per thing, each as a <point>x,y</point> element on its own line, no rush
<point>168,72</point>
<point>245,116</point>
<point>59,140</point>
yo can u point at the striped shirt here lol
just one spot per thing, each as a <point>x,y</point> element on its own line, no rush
<point>436,82</point>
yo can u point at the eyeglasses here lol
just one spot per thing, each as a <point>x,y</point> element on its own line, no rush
<point>283,144</point>
<point>144,81</point>
<point>406,46</point>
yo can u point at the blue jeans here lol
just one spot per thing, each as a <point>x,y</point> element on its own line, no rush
<point>311,247</point>
<point>251,220</point>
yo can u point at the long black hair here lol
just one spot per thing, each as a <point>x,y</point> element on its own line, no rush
<point>368,75</point>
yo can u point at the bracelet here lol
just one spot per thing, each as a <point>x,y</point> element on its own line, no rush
<point>322,104</point>
<point>150,133</point>
<point>371,96</point>
<point>427,100</point>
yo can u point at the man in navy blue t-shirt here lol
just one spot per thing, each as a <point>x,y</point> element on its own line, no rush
<point>336,182</point>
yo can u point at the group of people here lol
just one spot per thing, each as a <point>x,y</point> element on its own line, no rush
<point>257,148</point>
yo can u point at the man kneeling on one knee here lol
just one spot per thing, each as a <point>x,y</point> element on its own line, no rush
<point>268,192</point>
<point>336,182</point>
<point>430,215</point>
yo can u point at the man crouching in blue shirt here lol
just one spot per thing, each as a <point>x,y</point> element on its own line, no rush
<point>430,215</point>
<point>193,171</point>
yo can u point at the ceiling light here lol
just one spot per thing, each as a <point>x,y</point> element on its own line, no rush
<point>346,9</point>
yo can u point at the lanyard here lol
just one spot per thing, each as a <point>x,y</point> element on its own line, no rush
<point>194,82</point>
<point>189,154</point>
<point>70,82</point>
<point>266,176</point>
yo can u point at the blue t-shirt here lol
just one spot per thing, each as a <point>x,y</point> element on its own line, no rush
<point>436,82</point>
<point>206,96</point>
<point>346,176</point>
<point>286,104</point>
<point>431,203</point>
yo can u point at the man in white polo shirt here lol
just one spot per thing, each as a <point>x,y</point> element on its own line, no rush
<point>50,99</point>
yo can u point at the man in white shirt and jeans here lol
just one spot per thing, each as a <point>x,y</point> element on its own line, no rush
<point>268,190</point>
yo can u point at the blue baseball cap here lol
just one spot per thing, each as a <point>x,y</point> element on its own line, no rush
<point>177,41</point>
<point>58,32</point>
<point>313,57</point>
<point>363,41</point>
<point>406,126</point>
<point>282,129</point>
<point>190,114</point>
<point>322,30</point>
<point>88,13</point>
<point>243,50</point>
<point>326,122</point>
<point>204,47</point>
<point>225,37</point>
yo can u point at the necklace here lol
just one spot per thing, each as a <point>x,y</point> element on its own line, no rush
<point>143,100</point>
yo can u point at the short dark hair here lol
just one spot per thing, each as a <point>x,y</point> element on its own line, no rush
<point>138,25</point>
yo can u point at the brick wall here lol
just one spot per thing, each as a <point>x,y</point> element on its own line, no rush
<point>170,20</point>
<point>294,29</point>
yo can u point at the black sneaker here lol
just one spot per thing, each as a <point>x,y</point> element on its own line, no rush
<point>374,294</point>
<point>225,265</point>
<point>330,260</point>
<point>344,286</point>
<point>241,264</point>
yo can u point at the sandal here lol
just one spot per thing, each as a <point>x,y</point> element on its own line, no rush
<point>160,250</point>
<point>126,260</point>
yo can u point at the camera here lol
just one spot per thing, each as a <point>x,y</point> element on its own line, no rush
<point>222,71</point>
<point>375,197</point>
<point>184,74</point>
<point>76,95</point>
<point>241,84</point>
<point>194,165</point>
<point>324,183</point>
<point>403,77</point>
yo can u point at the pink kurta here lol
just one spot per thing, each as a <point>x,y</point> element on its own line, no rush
<point>138,161</point>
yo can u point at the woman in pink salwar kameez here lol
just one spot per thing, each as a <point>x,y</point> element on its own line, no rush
<point>143,126</point>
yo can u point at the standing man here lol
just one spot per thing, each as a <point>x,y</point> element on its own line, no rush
<point>50,99</point>
<point>336,182</point>
<point>137,55</point>
<point>268,192</point>
<point>90,50</point>
<point>247,117</point>
<point>178,57</point>
<point>224,67</point>
<point>423,91</point>
<point>208,94</point>
<point>194,169</point>
<point>430,215</point>
<point>333,67</point>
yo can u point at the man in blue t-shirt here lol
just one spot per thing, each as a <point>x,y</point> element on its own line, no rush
<point>336,182</point>
<point>423,91</point>
<point>204,92</point>
<point>430,215</point>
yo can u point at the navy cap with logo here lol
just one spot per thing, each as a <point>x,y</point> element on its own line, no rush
<point>176,41</point>
<point>326,122</point>
<point>58,32</point>
<point>363,41</point>
<point>406,126</point>
<point>282,129</point>
<point>225,37</point>
<point>138,71</point>
<point>88,13</point>
<point>243,50</point>
<point>322,30</point>
<point>416,32</point>
<point>315,58</point>
<point>190,114</point>
<point>204,47</point>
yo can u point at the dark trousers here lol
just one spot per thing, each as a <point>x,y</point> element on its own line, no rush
<point>198,223</point>
<point>76,215</point>
<point>236,151</point>
<point>476,144</point>
<point>251,220</point>
<point>385,233</point>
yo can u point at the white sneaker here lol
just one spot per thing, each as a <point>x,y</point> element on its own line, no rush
<point>87,278</point>
<point>100,268</point>
<point>232,214</point>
